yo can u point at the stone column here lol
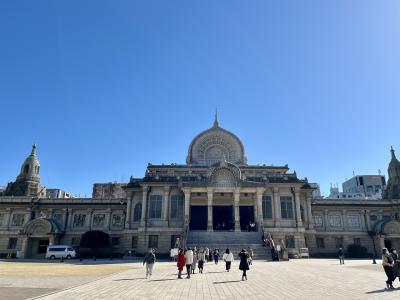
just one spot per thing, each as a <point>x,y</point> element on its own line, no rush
<point>187,206</point>
<point>24,247</point>
<point>71,219</point>
<point>345,220</point>
<point>144,206</point>
<point>128,219</point>
<point>210,196</point>
<point>109,218</point>
<point>326,221</point>
<point>236,207</point>
<point>165,204</point>
<point>298,210</point>
<point>309,212</point>
<point>277,206</point>
<point>8,217</point>
<point>259,216</point>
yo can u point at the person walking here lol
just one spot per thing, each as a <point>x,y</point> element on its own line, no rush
<point>195,259</point>
<point>201,259</point>
<point>341,256</point>
<point>387,263</point>
<point>250,252</point>
<point>228,259</point>
<point>180,263</point>
<point>396,264</point>
<point>206,253</point>
<point>189,261</point>
<point>149,260</point>
<point>244,263</point>
<point>216,255</point>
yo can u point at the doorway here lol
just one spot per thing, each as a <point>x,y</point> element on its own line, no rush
<point>246,217</point>
<point>198,217</point>
<point>37,247</point>
<point>223,218</point>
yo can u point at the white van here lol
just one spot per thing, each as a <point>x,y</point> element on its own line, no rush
<point>59,251</point>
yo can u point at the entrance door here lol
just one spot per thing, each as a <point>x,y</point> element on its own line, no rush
<point>42,246</point>
<point>246,217</point>
<point>223,218</point>
<point>198,217</point>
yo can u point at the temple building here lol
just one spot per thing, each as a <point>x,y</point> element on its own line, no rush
<point>215,198</point>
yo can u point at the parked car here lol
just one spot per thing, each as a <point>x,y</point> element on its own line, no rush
<point>60,251</point>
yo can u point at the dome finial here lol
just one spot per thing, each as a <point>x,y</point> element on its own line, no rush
<point>33,149</point>
<point>216,118</point>
<point>392,151</point>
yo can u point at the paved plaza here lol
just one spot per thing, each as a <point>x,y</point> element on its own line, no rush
<point>297,279</point>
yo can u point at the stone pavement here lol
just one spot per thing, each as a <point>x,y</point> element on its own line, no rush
<point>297,279</point>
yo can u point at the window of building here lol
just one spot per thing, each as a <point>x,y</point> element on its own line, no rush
<point>289,241</point>
<point>357,241</point>
<point>373,217</point>
<point>354,221</point>
<point>12,243</point>
<point>26,169</point>
<point>302,213</point>
<point>18,219</point>
<point>134,241</point>
<point>320,242</point>
<point>98,220</point>
<point>155,207</point>
<point>267,207</point>
<point>339,242</point>
<point>2,217</point>
<point>153,241</point>
<point>386,217</point>
<point>177,204</point>
<point>79,220</point>
<point>137,212</point>
<point>286,207</point>
<point>334,220</point>
<point>117,220</point>
<point>318,221</point>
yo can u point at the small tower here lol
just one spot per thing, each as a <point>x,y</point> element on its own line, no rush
<point>393,185</point>
<point>28,180</point>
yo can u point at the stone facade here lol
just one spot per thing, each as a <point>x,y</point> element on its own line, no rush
<point>216,190</point>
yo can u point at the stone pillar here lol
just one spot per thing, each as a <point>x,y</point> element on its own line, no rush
<point>326,221</point>
<point>367,220</point>
<point>144,206</point>
<point>109,218</point>
<point>298,210</point>
<point>128,220</point>
<point>165,204</point>
<point>70,219</point>
<point>210,196</point>
<point>24,247</point>
<point>187,206</point>
<point>345,221</point>
<point>259,216</point>
<point>309,213</point>
<point>8,217</point>
<point>277,206</point>
<point>236,207</point>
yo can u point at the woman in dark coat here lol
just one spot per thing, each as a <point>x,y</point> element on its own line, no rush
<point>244,263</point>
<point>180,263</point>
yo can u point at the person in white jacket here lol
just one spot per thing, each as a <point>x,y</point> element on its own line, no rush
<point>189,261</point>
<point>228,259</point>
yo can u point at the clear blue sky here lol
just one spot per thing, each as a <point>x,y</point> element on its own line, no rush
<point>104,87</point>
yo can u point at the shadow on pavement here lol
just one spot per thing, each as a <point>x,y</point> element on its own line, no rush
<point>383,291</point>
<point>228,281</point>
<point>123,279</point>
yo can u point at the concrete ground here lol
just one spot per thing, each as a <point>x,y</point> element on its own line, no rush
<point>297,279</point>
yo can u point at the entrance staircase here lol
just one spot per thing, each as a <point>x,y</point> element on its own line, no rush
<point>235,241</point>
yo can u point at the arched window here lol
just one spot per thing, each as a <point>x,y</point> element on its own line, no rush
<point>137,212</point>
<point>37,169</point>
<point>26,169</point>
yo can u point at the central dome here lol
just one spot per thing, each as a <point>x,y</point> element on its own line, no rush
<point>216,145</point>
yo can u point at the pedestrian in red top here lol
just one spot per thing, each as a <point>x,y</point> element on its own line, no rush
<point>181,262</point>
